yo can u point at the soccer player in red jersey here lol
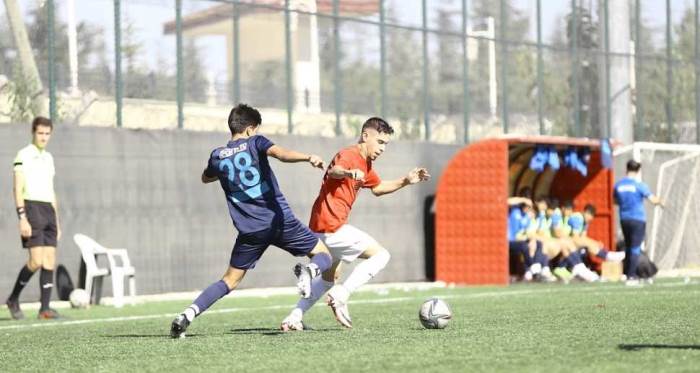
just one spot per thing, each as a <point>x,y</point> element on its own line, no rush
<point>350,170</point>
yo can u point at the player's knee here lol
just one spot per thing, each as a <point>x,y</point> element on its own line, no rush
<point>34,264</point>
<point>49,262</point>
<point>383,258</point>
<point>233,277</point>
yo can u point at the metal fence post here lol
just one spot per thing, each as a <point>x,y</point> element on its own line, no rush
<point>608,103</point>
<point>638,102</point>
<point>504,67</point>
<point>426,78</point>
<point>697,71</point>
<point>465,71</point>
<point>575,66</point>
<point>288,64</point>
<point>179,65</point>
<point>118,60</point>
<point>52,60</point>
<point>669,74</point>
<point>382,58</point>
<point>540,67</point>
<point>337,79</point>
<point>236,54</point>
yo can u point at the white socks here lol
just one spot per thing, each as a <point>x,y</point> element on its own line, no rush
<point>319,286</point>
<point>191,312</point>
<point>366,270</point>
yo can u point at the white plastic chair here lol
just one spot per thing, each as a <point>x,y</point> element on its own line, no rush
<point>89,248</point>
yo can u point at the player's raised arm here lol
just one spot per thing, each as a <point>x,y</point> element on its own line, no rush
<point>512,201</point>
<point>415,176</point>
<point>338,172</point>
<point>292,156</point>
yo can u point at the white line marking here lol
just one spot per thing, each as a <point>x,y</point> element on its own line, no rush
<point>600,290</point>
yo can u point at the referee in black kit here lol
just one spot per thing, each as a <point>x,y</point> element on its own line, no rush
<point>37,211</point>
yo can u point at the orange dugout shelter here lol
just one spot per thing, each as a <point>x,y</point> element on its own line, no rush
<point>471,244</point>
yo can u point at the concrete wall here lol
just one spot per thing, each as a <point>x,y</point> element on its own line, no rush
<point>140,190</point>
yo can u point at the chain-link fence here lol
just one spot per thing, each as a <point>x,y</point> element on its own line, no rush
<point>440,70</point>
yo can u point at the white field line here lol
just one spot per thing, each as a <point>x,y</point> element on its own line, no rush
<point>494,294</point>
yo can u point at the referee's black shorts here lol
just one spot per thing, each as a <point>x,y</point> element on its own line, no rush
<point>42,218</point>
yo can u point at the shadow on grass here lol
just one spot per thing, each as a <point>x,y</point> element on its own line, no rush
<point>268,331</point>
<point>639,347</point>
<point>152,336</point>
<point>6,319</point>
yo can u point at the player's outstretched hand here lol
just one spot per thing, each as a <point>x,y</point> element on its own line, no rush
<point>417,175</point>
<point>316,161</point>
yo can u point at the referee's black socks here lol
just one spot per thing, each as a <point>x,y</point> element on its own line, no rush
<point>46,282</point>
<point>22,279</point>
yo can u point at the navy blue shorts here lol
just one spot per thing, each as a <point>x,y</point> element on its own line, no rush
<point>292,236</point>
<point>634,231</point>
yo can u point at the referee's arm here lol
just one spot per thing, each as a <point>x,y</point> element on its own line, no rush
<point>25,229</point>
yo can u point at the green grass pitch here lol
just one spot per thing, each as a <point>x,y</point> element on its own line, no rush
<point>534,327</point>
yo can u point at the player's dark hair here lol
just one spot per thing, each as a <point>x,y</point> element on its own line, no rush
<point>539,199</point>
<point>589,208</point>
<point>633,165</point>
<point>41,121</point>
<point>378,124</point>
<point>553,203</point>
<point>525,192</point>
<point>243,116</point>
<point>568,204</point>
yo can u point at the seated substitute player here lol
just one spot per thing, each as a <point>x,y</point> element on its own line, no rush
<point>577,224</point>
<point>258,209</point>
<point>518,242</point>
<point>350,170</point>
<point>549,228</point>
<point>629,194</point>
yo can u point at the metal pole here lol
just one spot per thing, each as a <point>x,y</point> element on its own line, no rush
<point>575,66</point>
<point>288,64</point>
<point>72,48</point>
<point>337,80</point>
<point>52,60</point>
<point>540,67</point>
<point>608,103</point>
<point>118,60</point>
<point>180,67</point>
<point>382,58</point>
<point>465,71</point>
<point>639,130</point>
<point>236,54</point>
<point>426,79</point>
<point>669,74</point>
<point>504,67</point>
<point>697,71</point>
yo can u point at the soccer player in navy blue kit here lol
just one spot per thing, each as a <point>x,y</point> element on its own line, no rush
<point>258,209</point>
<point>629,195</point>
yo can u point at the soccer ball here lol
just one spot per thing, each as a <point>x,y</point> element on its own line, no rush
<point>434,314</point>
<point>79,298</point>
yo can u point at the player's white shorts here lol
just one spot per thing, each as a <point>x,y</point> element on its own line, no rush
<point>347,243</point>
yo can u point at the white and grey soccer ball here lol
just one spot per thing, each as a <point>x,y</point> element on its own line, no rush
<point>79,298</point>
<point>435,314</point>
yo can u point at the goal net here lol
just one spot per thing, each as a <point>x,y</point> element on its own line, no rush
<point>672,171</point>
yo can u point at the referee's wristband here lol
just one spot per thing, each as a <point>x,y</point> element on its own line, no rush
<point>21,212</point>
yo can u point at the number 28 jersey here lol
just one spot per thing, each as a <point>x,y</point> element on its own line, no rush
<point>254,199</point>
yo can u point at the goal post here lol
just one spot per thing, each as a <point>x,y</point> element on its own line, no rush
<point>673,173</point>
